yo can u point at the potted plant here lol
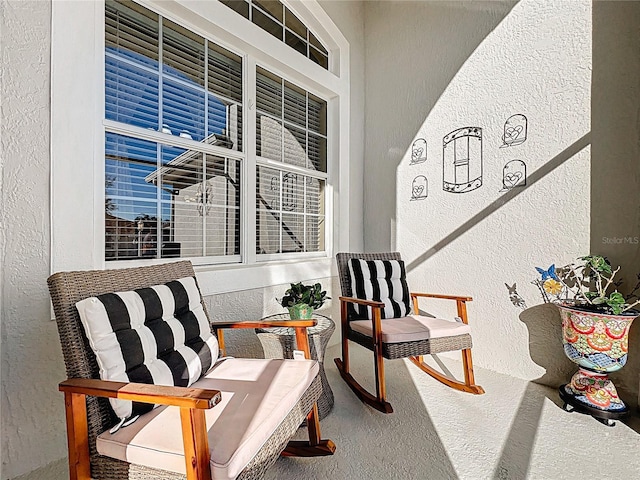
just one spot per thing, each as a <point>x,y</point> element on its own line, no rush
<point>301,300</point>
<point>596,319</point>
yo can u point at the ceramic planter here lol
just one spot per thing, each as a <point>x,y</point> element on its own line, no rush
<point>598,343</point>
<point>301,311</point>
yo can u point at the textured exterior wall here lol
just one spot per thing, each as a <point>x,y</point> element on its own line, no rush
<point>32,411</point>
<point>33,429</point>
<point>349,18</point>
<point>615,164</point>
<point>433,67</point>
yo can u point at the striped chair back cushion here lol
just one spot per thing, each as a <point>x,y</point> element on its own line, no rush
<point>158,335</point>
<point>381,280</point>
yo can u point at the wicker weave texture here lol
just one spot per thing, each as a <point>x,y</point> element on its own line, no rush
<point>66,289</point>
<point>394,350</point>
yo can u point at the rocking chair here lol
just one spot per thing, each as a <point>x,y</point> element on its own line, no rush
<point>233,422</point>
<point>375,312</point>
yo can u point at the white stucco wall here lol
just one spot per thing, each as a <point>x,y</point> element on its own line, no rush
<point>33,429</point>
<point>433,67</point>
<point>615,153</point>
<point>32,411</point>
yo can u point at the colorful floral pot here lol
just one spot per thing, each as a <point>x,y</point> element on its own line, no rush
<point>301,311</point>
<point>598,343</point>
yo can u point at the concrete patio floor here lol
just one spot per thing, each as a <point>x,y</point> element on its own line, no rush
<point>517,430</point>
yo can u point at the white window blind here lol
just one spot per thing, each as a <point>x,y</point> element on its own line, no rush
<point>290,131</point>
<point>162,200</point>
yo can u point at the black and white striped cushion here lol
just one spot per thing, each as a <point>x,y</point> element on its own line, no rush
<point>157,335</point>
<point>383,281</point>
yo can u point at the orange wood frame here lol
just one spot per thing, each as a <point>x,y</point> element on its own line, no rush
<point>192,403</point>
<point>379,400</point>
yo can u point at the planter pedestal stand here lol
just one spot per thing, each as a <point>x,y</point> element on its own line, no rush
<point>598,344</point>
<point>593,394</point>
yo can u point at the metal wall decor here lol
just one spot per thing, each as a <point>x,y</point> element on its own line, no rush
<point>462,160</point>
<point>515,130</point>
<point>419,188</point>
<point>514,174</point>
<point>419,151</point>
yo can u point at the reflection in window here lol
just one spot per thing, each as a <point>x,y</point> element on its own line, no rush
<point>291,129</point>
<point>274,17</point>
<point>290,212</point>
<point>291,123</point>
<point>163,201</point>
<point>177,82</point>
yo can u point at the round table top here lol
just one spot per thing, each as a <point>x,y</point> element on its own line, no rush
<point>324,323</point>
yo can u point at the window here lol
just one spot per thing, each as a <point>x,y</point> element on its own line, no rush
<point>275,18</point>
<point>181,193</point>
<point>291,131</point>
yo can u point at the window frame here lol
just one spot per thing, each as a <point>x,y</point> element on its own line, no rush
<point>72,217</point>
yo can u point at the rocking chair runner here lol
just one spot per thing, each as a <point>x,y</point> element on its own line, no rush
<point>391,338</point>
<point>89,413</point>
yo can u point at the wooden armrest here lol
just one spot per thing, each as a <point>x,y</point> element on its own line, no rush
<point>445,297</point>
<point>300,327</point>
<point>360,301</point>
<point>266,324</point>
<point>142,392</point>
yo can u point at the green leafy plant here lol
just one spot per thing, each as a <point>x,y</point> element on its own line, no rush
<point>298,293</point>
<point>587,284</point>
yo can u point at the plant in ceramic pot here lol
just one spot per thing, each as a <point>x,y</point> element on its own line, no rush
<point>596,319</point>
<point>301,300</point>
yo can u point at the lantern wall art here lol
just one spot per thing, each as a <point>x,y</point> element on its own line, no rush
<point>419,188</point>
<point>462,160</point>
<point>419,151</point>
<point>515,130</point>
<point>514,174</point>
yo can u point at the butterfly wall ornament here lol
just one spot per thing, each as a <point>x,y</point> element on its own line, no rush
<point>548,273</point>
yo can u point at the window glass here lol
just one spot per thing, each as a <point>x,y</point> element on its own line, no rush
<point>179,193</point>
<point>319,58</point>
<point>273,17</point>
<point>291,123</point>
<point>239,6</point>
<point>267,23</point>
<point>294,24</point>
<point>158,204</point>
<point>289,212</point>
<point>295,42</point>
<point>273,7</point>
<point>162,200</point>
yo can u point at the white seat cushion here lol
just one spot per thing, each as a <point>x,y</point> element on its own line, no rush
<point>412,328</point>
<point>257,395</point>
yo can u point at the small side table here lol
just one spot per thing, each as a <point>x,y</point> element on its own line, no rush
<point>281,342</point>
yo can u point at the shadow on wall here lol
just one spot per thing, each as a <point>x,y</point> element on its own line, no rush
<point>615,150</point>
<point>536,176</point>
<point>545,344</point>
<point>410,99</point>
